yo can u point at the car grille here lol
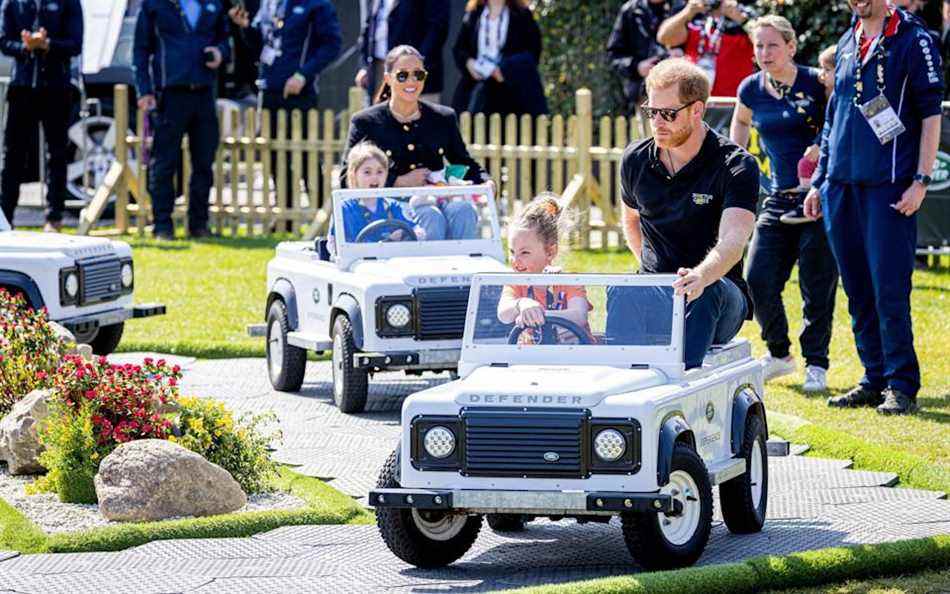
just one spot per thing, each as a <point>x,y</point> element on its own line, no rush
<point>100,278</point>
<point>441,313</point>
<point>505,442</point>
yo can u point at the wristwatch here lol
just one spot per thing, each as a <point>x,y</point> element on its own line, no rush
<point>923,179</point>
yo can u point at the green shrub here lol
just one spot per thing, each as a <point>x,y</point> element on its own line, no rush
<point>29,350</point>
<point>72,453</point>
<point>240,447</point>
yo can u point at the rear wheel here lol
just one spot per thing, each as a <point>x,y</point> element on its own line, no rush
<point>661,541</point>
<point>506,522</point>
<point>286,364</point>
<point>350,384</point>
<point>422,538</point>
<point>744,499</point>
<point>103,339</point>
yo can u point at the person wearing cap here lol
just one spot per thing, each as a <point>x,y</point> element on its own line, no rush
<point>42,37</point>
<point>878,149</point>
<point>178,48</point>
<point>785,102</point>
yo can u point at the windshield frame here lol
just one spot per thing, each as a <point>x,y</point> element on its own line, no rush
<point>350,252</point>
<point>669,358</point>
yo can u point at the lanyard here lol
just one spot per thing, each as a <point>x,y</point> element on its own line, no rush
<point>710,37</point>
<point>877,55</point>
<point>501,23</point>
<point>785,94</point>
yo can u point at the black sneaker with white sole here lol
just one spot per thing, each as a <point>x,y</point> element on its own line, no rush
<point>857,396</point>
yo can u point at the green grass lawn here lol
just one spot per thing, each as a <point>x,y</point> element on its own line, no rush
<point>928,582</point>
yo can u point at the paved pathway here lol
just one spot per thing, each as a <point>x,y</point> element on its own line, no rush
<point>813,503</point>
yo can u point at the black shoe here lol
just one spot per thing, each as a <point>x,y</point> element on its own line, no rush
<point>202,234</point>
<point>164,235</point>
<point>897,403</point>
<point>858,396</point>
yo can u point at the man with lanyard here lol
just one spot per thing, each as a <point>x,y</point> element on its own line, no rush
<point>41,36</point>
<point>716,42</point>
<point>299,39</point>
<point>632,47</point>
<point>877,154</point>
<point>689,199</point>
<point>179,46</point>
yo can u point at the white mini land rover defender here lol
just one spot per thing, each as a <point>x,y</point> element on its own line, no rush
<point>85,283</point>
<point>583,421</point>
<point>381,296</point>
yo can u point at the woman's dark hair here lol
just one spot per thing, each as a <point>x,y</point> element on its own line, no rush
<point>392,57</point>
<point>512,4</point>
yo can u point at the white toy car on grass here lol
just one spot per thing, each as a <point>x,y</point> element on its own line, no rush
<point>384,299</point>
<point>85,283</point>
<point>578,423</point>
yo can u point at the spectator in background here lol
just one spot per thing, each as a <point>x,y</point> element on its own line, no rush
<point>246,55</point>
<point>826,68</point>
<point>786,104</point>
<point>497,53</point>
<point>712,37</point>
<point>296,43</point>
<point>177,51</point>
<point>41,40</point>
<point>632,47</point>
<point>423,24</point>
<point>945,44</point>
<point>878,150</point>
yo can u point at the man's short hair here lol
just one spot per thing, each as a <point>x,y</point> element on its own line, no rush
<point>692,83</point>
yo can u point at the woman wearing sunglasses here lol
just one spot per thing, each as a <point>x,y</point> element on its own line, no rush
<point>420,139</point>
<point>497,53</point>
<point>786,103</point>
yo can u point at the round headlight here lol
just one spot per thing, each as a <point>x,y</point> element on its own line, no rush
<point>439,442</point>
<point>71,285</point>
<point>127,275</point>
<point>609,445</point>
<point>398,315</point>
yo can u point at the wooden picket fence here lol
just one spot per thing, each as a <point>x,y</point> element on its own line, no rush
<point>525,156</point>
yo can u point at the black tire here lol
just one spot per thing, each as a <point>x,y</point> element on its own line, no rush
<point>506,522</point>
<point>402,534</point>
<point>286,364</point>
<point>106,340</point>
<point>350,384</point>
<point>740,510</point>
<point>643,534</point>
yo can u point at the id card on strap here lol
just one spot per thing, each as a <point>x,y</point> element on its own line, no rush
<point>882,119</point>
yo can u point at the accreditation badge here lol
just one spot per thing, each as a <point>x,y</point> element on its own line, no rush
<point>882,118</point>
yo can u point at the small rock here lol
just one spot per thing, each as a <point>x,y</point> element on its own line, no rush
<point>84,351</point>
<point>65,336</point>
<point>20,446</point>
<point>153,479</point>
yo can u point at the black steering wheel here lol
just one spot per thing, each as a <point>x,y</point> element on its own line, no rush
<point>397,225</point>
<point>549,331</point>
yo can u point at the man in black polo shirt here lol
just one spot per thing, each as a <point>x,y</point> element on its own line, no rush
<point>689,208</point>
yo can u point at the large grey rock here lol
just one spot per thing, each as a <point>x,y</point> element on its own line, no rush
<point>65,336</point>
<point>154,479</point>
<point>20,445</point>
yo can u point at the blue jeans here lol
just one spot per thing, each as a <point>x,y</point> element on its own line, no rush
<point>455,220</point>
<point>714,318</point>
<point>874,246</point>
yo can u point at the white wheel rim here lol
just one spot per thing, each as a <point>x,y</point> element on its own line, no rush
<point>446,527</point>
<point>679,529</point>
<point>275,351</point>
<point>756,474</point>
<point>338,365</point>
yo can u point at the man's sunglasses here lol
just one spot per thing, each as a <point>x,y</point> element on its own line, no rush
<point>403,75</point>
<point>667,113</point>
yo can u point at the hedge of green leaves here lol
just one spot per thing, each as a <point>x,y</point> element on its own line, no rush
<point>575,44</point>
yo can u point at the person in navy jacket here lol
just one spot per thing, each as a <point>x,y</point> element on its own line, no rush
<point>179,46</point>
<point>298,39</point>
<point>879,143</point>
<point>42,37</point>
<point>423,24</point>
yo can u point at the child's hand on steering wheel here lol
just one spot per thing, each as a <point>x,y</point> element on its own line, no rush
<point>530,313</point>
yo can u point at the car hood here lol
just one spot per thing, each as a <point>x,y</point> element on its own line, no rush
<point>429,271</point>
<point>73,246</point>
<point>551,385</point>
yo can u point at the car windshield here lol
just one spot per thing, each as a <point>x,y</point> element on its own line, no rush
<point>549,313</point>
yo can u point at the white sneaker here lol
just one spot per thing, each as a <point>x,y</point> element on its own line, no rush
<point>777,367</point>
<point>816,379</point>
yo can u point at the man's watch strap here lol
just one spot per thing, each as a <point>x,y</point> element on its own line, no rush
<point>923,179</point>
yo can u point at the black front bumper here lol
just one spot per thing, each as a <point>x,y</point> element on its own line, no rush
<point>109,317</point>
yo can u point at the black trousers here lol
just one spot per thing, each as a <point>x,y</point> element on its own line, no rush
<point>183,111</point>
<point>775,248</point>
<point>274,102</point>
<point>28,107</point>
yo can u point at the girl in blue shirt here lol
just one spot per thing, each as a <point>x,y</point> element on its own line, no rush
<point>785,102</point>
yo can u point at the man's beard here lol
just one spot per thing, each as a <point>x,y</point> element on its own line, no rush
<point>676,138</point>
